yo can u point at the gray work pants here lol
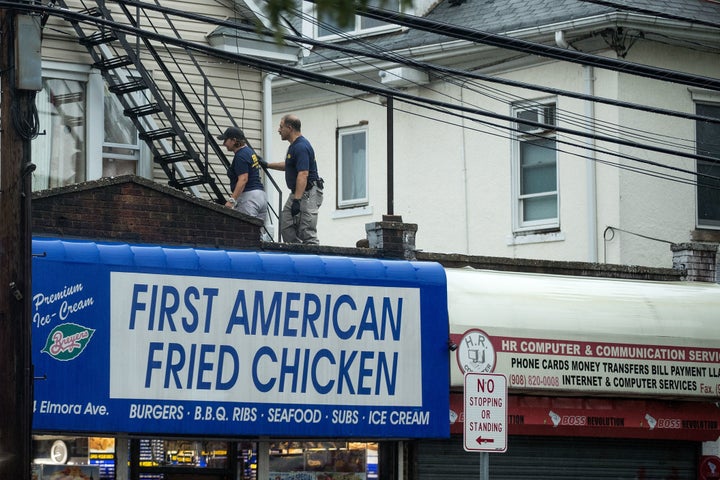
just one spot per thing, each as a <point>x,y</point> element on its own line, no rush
<point>253,203</point>
<point>303,227</point>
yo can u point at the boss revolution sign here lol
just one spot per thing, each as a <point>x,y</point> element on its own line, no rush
<point>155,340</point>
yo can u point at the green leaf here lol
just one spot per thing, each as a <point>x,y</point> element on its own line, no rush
<point>67,341</point>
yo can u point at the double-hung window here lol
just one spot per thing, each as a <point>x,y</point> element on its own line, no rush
<point>59,151</point>
<point>79,125</point>
<point>708,185</point>
<point>121,146</point>
<point>535,179</point>
<point>328,27</point>
<point>352,168</point>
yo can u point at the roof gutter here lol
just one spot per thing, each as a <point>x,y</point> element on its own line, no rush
<point>586,25</point>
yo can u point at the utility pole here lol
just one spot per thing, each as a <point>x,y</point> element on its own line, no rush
<point>16,376</point>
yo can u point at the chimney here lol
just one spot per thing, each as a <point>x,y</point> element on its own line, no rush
<point>395,238</point>
<point>699,260</point>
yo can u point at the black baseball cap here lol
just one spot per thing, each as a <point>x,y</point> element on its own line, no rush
<point>232,132</point>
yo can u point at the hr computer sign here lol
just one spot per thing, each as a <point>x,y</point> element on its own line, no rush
<point>485,412</point>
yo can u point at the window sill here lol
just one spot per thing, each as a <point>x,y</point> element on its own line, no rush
<point>352,212</point>
<point>528,238</point>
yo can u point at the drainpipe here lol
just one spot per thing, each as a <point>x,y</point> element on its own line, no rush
<point>463,155</point>
<point>267,115</point>
<point>268,130</point>
<point>390,125</point>
<point>590,164</point>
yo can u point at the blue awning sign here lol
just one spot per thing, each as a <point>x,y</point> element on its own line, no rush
<point>155,340</point>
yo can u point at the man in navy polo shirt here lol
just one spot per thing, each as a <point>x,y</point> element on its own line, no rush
<point>298,219</point>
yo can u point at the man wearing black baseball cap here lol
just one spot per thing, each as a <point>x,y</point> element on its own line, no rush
<point>247,191</point>
<point>232,132</point>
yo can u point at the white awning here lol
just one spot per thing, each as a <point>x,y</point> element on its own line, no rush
<point>587,306</point>
<point>586,335</point>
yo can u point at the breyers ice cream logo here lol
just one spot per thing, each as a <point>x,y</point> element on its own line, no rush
<point>475,352</point>
<point>67,341</point>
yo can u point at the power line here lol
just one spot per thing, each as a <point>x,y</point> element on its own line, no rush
<point>654,13</point>
<point>531,48</point>
<point>585,147</point>
<point>504,128</point>
<point>568,116</point>
<point>394,58</point>
<point>319,78</point>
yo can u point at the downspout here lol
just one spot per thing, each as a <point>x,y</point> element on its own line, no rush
<point>267,122</point>
<point>463,155</point>
<point>590,164</point>
<point>267,116</point>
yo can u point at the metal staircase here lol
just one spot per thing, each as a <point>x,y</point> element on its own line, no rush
<point>179,136</point>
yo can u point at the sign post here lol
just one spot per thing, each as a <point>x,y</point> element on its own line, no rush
<point>485,423</point>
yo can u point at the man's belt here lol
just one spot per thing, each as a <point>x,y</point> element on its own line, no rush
<point>319,182</point>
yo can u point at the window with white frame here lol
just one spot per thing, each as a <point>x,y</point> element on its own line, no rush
<point>708,185</point>
<point>59,151</point>
<point>121,148</point>
<point>352,168</point>
<point>535,184</point>
<point>328,27</point>
<point>79,125</point>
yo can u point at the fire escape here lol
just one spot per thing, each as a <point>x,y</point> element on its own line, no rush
<point>179,136</point>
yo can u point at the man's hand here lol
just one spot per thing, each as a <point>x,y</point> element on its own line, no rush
<point>295,207</point>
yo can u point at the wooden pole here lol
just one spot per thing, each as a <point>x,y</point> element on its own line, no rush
<point>15,267</point>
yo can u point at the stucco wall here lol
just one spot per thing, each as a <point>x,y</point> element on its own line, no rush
<point>455,182</point>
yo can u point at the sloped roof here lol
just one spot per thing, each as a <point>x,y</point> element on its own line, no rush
<point>506,16</point>
<point>494,16</point>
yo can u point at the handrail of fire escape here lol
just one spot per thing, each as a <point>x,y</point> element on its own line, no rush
<point>201,99</point>
<point>147,98</point>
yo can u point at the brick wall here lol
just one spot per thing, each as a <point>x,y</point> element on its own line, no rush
<point>134,210</point>
<point>699,260</point>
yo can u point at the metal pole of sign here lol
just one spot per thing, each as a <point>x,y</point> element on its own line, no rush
<point>484,466</point>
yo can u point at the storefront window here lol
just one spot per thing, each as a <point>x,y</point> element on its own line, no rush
<point>60,458</point>
<point>323,461</point>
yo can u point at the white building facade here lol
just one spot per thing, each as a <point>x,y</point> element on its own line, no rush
<point>482,184</point>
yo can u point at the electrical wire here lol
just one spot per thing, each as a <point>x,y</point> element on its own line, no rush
<point>501,131</point>
<point>624,133</point>
<point>652,12</point>
<point>643,134</point>
<point>500,127</point>
<point>313,77</point>
<point>431,68</point>
<point>236,13</point>
<point>568,117</point>
<point>557,53</point>
<point>132,2</point>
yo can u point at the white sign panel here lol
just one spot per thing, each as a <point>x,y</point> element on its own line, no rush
<point>221,339</point>
<point>571,365</point>
<point>485,412</point>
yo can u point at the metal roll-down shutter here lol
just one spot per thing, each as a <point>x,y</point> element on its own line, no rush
<point>554,458</point>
